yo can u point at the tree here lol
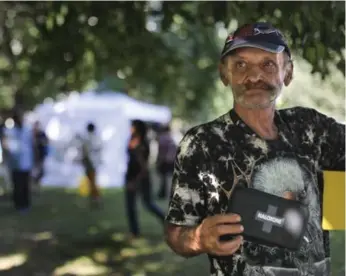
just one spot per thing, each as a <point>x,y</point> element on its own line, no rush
<point>166,51</point>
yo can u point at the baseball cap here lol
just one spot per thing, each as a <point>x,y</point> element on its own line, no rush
<point>259,35</point>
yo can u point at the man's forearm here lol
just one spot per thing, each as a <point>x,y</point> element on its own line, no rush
<point>184,241</point>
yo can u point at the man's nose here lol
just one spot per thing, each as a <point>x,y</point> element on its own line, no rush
<point>254,74</point>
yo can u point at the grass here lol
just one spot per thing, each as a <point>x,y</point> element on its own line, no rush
<point>61,236</point>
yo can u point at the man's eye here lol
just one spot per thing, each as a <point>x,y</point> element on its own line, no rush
<point>268,64</point>
<point>240,65</point>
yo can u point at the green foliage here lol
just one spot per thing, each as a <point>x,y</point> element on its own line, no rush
<point>53,47</point>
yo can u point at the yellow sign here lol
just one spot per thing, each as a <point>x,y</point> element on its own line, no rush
<point>334,200</point>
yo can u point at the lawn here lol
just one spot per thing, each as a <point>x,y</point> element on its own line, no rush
<point>61,236</point>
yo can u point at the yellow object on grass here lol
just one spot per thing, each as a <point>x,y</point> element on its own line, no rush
<point>84,186</point>
<point>334,200</point>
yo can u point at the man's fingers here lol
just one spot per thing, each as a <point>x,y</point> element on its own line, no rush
<point>229,229</point>
<point>227,218</point>
<point>228,248</point>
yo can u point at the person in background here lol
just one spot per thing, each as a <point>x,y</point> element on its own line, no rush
<point>138,177</point>
<point>91,157</point>
<point>17,142</point>
<point>5,183</point>
<point>40,145</point>
<point>165,159</point>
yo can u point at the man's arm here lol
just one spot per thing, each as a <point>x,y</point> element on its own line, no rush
<point>189,231</point>
<point>205,238</point>
<point>186,207</point>
<point>183,240</point>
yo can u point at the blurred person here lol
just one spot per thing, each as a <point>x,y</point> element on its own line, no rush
<point>40,146</point>
<point>19,158</point>
<point>165,158</point>
<point>91,146</point>
<point>281,152</point>
<point>138,177</point>
<point>5,184</point>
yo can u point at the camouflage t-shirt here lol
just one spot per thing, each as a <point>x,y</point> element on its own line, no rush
<point>212,157</point>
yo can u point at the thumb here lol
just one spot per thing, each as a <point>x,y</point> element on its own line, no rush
<point>289,195</point>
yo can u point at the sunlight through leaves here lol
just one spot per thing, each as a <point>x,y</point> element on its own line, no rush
<point>7,262</point>
<point>81,266</point>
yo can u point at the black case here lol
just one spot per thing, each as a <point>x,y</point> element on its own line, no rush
<point>269,219</point>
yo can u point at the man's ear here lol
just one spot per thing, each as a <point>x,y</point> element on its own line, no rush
<point>222,73</point>
<point>289,74</point>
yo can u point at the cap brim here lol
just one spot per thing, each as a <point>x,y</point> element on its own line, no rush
<point>242,43</point>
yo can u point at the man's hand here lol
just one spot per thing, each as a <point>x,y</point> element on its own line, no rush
<point>212,228</point>
<point>205,238</point>
<point>289,195</point>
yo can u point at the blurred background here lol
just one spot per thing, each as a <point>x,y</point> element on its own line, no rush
<point>68,63</point>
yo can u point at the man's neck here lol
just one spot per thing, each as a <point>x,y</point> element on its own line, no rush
<point>259,120</point>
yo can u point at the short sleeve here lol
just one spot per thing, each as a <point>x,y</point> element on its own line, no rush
<point>187,201</point>
<point>332,142</point>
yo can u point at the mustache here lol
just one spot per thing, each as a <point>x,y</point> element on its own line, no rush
<point>257,85</point>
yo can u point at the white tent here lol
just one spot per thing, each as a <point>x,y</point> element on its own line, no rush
<point>111,112</point>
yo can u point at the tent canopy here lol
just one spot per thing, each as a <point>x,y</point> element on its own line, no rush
<point>112,113</point>
<point>105,100</point>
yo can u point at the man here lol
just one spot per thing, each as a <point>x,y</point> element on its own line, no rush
<point>40,144</point>
<point>91,146</point>
<point>19,159</point>
<point>281,152</point>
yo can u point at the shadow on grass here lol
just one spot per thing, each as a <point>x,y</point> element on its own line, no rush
<point>62,236</point>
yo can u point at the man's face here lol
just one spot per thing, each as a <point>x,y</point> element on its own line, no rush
<point>256,76</point>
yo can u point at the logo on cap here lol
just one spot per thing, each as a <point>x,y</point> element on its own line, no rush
<point>257,31</point>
